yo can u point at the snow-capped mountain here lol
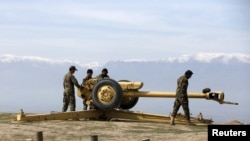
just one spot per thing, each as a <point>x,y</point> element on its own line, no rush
<point>35,83</point>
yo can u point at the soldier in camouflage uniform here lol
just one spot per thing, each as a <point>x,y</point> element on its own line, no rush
<point>89,76</point>
<point>182,98</point>
<point>103,75</point>
<point>69,92</point>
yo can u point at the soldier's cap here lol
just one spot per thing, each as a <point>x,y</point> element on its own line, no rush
<point>89,71</point>
<point>105,70</point>
<point>189,72</point>
<point>72,68</point>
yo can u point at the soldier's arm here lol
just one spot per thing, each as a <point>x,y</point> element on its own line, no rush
<point>64,82</point>
<point>74,80</point>
<point>99,77</point>
<point>183,87</point>
<point>83,81</point>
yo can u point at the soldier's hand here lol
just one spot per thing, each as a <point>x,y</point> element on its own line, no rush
<point>206,90</point>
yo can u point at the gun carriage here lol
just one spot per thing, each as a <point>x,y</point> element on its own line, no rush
<point>113,100</point>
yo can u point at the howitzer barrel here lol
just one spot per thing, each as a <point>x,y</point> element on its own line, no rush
<point>126,93</point>
<point>217,96</point>
<point>162,94</point>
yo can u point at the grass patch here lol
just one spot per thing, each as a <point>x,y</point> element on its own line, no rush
<point>7,117</point>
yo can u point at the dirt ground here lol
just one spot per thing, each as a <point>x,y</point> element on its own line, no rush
<point>83,130</point>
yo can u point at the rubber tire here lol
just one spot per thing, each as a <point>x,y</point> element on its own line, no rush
<point>116,99</point>
<point>131,103</point>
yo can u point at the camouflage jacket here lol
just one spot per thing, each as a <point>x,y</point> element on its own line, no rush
<point>182,86</point>
<point>69,82</point>
<point>85,79</point>
<point>100,77</point>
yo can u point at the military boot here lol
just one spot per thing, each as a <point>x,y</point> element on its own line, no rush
<point>189,123</point>
<point>85,107</point>
<point>172,119</point>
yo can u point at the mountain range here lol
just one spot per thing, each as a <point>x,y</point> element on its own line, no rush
<point>35,83</point>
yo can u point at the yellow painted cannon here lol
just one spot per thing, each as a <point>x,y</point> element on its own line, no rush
<point>109,94</point>
<point>113,99</point>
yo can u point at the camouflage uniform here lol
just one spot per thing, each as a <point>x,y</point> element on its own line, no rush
<point>85,106</point>
<point>69,92</point>
<point>103,75</point>
<point>181,97</point>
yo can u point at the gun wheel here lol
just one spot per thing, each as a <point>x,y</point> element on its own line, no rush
<point>107,94</point>
<point>128,102</point>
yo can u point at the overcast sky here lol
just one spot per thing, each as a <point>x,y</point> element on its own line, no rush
<point>100,31</point>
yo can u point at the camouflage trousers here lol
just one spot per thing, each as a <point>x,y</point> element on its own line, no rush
<point>85,106</point>
<point>181,102</point>
<point>68,100</point>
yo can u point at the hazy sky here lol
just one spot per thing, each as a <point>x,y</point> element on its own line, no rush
<point>100,31</point>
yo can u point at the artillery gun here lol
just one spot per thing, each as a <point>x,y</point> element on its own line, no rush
<point>112,100</point>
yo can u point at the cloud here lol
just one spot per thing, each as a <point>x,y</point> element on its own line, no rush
<point>209,57</point>
<point>122,30</point>
<point>201,57</point>
<point>164,15</point>
<point>8,58</point>
<point>225,58</point>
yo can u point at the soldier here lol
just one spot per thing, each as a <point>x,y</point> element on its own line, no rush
<point>89,76</point>
<point>103,75</point>
<point>69,92</point>
<point>182,98</point>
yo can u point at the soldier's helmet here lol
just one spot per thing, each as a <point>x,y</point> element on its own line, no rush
<point>89,71</point>
<point>189,72</point>
<point>105,70</point>
<point>72,68</point>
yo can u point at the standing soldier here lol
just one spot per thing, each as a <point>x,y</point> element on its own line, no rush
<point>103,75</point>
<point>89,76</point>
<point>69,92</point>
<point>182,98</point>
